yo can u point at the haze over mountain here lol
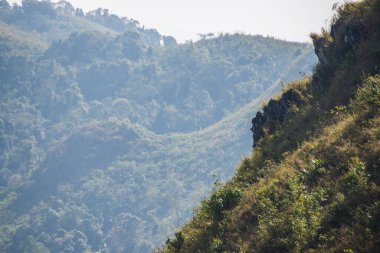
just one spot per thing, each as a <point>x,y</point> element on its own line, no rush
<point>111,133</point>
<point>186,19</point>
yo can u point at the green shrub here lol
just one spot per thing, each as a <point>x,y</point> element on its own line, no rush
<point>218,246</point>
<point>221,200</point>
<point>176,243</point>
<point>368,96</point>
<point>315,171</point>
<point>357,177</point>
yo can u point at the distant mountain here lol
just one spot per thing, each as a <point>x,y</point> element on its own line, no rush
<point>312,183</point>
<point>56,21</point>
<point>110,133</point>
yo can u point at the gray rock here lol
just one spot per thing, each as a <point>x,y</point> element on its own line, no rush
<point>275,111</point>
<point>320,46</point>
<point>257,127</point>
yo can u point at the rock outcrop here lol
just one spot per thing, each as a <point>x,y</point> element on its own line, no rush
<point>330,48</point>
<point>320,47</point>
<point>258,127</point>
<point>275,111</point>
<point>347,34</point>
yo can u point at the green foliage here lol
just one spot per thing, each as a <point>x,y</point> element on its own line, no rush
<point>311,175</point>
<point>221,200</point>
<point>176,243</point>
<point>108,139</point>
<point>289,219</point>
<point>368,96</point>
<point>218,246</point>
<point>357,178</point>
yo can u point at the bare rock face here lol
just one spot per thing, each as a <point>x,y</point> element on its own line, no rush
<point>320,47</point>
<point>257,127</point>
<point>347,35</point>
<point>275,111</point>
<point>343,37</point>
<point>330,49</point>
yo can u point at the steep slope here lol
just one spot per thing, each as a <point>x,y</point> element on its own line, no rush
<point>312,182</point>
<point>108,140</point>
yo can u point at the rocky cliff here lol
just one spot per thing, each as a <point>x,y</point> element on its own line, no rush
<point>274,112</point>
<point>331,49</point>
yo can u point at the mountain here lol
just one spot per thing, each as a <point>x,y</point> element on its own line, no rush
<point>312,183</point>
<point>110,133</point>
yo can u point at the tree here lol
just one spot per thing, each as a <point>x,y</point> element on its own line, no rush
<point>42,7</point>
<point>169,41</point>
<point>4,5</point>
<point>79,12</point>
<point>132,46</point>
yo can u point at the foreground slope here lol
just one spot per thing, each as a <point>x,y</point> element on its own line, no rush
<point>312,183</point>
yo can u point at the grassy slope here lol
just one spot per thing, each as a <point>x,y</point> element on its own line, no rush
<point>312,184</point>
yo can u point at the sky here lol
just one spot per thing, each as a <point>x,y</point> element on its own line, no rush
<point>291,20</point>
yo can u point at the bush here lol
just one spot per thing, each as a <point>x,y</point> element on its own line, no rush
<point>316,170</point>
<point>218,246</point>
<point>221,200</point>
<point>368,96</point>
<point>176,243</point>
<point>357,177</point>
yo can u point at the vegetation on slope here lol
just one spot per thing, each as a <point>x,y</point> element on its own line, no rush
<point>312,183</point>
<point>110,135</point>
<point>14,42</point>
<point>56,21</point>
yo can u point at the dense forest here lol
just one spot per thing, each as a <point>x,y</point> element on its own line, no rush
<point>111,133</point>
<point>312,183</point>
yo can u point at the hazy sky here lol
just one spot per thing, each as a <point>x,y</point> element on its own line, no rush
<point>285,19</point>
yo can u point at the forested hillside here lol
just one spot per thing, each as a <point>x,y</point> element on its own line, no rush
<point>111,133</point>
<point>312,183</point>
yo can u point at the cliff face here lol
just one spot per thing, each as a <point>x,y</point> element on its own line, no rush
<point>347,35</point>
<point>320,47</point>
<point>274,112</point>
<point>330,48</point>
